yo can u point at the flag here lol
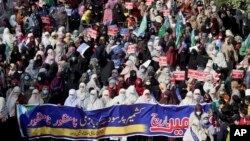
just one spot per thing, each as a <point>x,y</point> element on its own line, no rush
<point>143,25</point>
<point>193,42</point>
<point>245,45</point>
<point>178,28</point>
<point>162,30</point>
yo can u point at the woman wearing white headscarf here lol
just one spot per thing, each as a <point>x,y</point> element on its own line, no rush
<point>82,92</point>
<point>72,100</point>
<point>36,98</point>
<point>46,39</point>
<point>8,38</point>
<point>120,99</point>
<point>188,100</point>
<point>106,98</point>
<point>93,102</point>
<point>220,60</point>
<point>50,57</point>
<point>12,100</point>
<point>93,83</point>
<point>129,66</point>
<point>131,95</point>
<point>146,98</point>
<point>195,132</point>
<point>163,74</point>
<point>31,70</point>
<point>12,21</point>
<point>3,110</point>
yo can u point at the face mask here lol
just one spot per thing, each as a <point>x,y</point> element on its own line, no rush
<point>148,83</point>
<point>205,121</point>
<point>45,91</point>
<point>198,113</point>
<point>143,70</point>
<point>221,92</point>
<point>39,78</point>
<point>92,97</point>
<point>167,82</point>
<point>122,97</point>
<point>246,102</point>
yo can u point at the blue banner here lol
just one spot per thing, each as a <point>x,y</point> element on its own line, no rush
<point>116,121</point>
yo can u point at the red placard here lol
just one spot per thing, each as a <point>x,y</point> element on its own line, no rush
<point>201,76</point>
<point>112,31</point>
<point>45,20</point>
<point>93,33</point>
<point>163,61</point>
<point>149,2</point>
<point>179,75</point>
<point>131,49</point>
<point>192,73</point>
<point>237,74</point>
<point>166,12</point>
<point>129,5</point>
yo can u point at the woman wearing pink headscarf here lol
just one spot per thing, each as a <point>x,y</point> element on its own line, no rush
<point>108,15</point>
<point>129,66</point>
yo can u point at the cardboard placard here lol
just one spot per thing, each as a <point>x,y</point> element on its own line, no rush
<point>129,5</point>
<point>113,30</point>
<point>237,74</point>
<point>149,2</point>
<point>124,31</point>
<point>93,33</point>
<point>163,61</point>
<point>201,76</point>
<point>179,75</point>
<point>131,49</point>
<point>166,12</point>
<point>82,48</point>
<point>192,73</point>
<point>45,20</point>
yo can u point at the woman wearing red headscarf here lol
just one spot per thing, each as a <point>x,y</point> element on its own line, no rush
<point>139,86</point>
<point>171,57</point>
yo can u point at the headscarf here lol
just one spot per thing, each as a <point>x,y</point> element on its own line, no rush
<point>131,95</point>
<point>105,98</point>
<point>8,38</point>
<point>82,92</point>
<point>72,100</point>
<point>139,86</point>
<point>3,110</point>
<point>57,82</point>
<point>50,56</point>
<point>33,72</point>
<point>188,100</point>
<point>35,98</point>
<point>129,66</point>
<point>12,21</point>
<point>120,99</point>
<point>70,52</point>
<point>93,83</point>
<point>171,56</point>
<point>11,101</point>
<point>146,98</point>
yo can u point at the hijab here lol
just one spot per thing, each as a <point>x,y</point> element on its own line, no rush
<point>50,56</point>
<point>129,66</point>
<point>146,98</point>
<point>82,92</point>
<point>105,98</point>
<point>72,100</point>
<point>171,56</point>
<point>11,101</point>
<point>35,98</point>
<point>139,86</point>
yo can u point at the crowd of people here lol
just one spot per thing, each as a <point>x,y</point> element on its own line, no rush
<point>40,61</point>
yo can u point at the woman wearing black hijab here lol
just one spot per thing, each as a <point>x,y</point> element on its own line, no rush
<point>131,80</point>
<point>15,55</point>
<point>192,63</point>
